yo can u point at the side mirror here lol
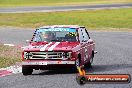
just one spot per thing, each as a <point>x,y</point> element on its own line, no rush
<point>90,41</point>
<point>28,41</point>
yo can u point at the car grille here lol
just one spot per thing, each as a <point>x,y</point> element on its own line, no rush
<point>46,55</point>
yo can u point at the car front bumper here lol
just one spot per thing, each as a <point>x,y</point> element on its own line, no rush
<point>48,64</point>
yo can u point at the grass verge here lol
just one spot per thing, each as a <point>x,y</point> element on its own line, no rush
<point>9,55</point>
<point>112,19</point>
<point>14,3</point>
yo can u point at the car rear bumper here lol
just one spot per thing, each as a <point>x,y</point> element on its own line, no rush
<point>48,64</point>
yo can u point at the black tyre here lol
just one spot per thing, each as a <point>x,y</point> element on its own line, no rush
<point>77,63</point>
<point>26,70</point>
<point>74,69</point>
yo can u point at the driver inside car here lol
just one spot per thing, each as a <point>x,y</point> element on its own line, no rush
<point>48,36</point>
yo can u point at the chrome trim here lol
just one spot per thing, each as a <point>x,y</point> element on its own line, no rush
<point>47,55</point>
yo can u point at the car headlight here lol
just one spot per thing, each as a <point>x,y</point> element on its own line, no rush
<point>66,55</point>
<point>69,54</point>
<point>28,55</point>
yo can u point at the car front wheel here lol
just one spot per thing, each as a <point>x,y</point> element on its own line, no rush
<point>77,63</point>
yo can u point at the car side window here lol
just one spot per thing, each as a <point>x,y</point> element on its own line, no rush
<point>87,33</point>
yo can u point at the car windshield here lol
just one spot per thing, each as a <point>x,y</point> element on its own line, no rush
<point>55,35</point>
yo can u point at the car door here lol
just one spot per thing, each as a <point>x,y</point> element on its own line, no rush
<point>83,37</point>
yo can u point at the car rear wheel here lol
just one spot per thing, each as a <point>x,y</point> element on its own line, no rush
<point>89,64</point>
<point>26,70</point>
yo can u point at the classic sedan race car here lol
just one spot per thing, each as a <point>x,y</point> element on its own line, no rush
<point>58,46</point>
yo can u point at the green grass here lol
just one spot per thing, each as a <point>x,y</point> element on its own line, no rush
<point>116,19</point>
<point>12,3</point>
<point>9,55</point>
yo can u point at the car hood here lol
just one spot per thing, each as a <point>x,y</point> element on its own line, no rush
<point>51,46</point>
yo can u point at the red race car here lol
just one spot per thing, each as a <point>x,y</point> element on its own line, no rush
<point>58,46</point>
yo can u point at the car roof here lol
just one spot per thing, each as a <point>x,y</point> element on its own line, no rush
<point>62,26</point>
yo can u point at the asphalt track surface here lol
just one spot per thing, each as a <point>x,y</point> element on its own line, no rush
<point>114,57</point>
<point>62,8</point>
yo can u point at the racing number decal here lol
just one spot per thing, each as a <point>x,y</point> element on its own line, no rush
<point>86,54</point>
